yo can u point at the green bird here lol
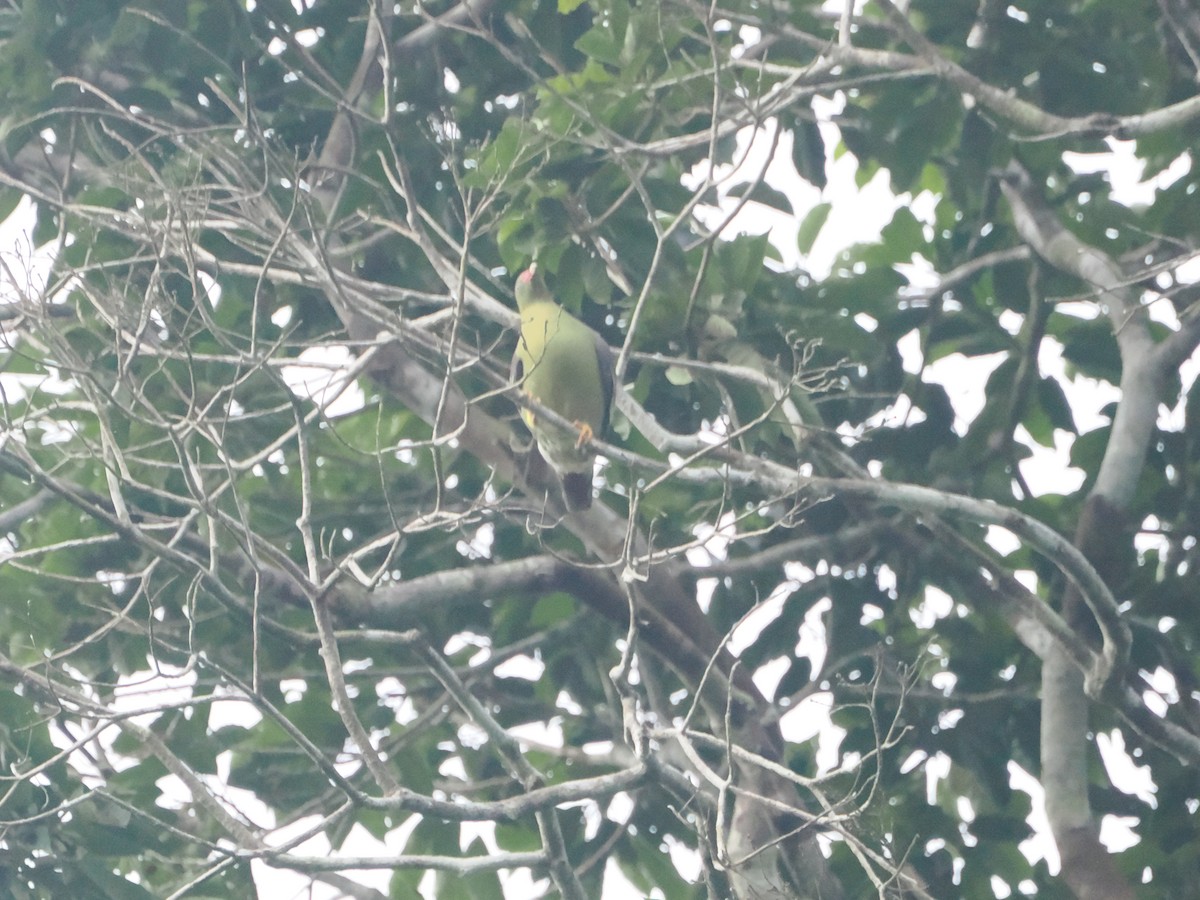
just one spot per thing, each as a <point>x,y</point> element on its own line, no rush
<point>568,368</point>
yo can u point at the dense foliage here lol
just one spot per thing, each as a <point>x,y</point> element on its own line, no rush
<point>280,591</point>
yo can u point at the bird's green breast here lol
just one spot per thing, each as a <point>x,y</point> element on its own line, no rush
<point>562,371</point>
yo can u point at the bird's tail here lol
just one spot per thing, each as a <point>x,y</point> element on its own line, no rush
<point>577,490</point>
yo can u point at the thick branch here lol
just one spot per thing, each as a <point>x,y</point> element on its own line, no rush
<point>1086,864</point>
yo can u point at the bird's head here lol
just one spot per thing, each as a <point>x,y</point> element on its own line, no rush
<point>530,287</point>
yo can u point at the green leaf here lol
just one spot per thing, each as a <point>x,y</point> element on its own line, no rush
<point>9,198</point>
<point>517,838</point>
<point>904,235</point>
<point>763,193</point>
<point>403,884</point>
<point>808,152</point>
<point>1054,401</point>
<point>552,609</point>
<point>1039,426</point>
<point>811,225</point>
<point>109,885</point>
<point>678,375</point>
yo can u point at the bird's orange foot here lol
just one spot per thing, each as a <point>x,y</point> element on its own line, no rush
<point>585,434</point>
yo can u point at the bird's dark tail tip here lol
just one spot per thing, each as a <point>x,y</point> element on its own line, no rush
<point>577,490</point>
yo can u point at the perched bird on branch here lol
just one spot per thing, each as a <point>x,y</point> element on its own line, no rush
<point>567,368</point>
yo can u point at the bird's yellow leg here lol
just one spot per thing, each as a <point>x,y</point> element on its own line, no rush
<point>585,434</point>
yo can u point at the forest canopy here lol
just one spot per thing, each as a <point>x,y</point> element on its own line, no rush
<point>285,601</point>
